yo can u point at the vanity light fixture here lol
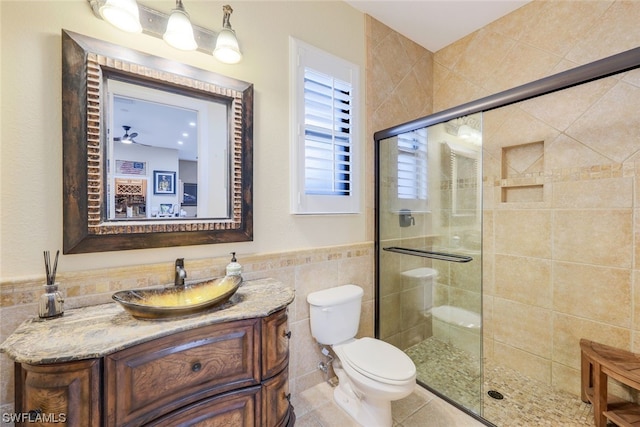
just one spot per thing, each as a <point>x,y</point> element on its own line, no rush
<point>470,134</point>
<point>122,14</point>
<point>173,28</point>
<point>465,128</point>
<point>227,49</point>
<point>179,33</point>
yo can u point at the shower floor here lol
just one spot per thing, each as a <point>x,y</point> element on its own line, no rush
<point>526,402</point>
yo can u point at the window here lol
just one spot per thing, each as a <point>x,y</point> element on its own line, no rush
<point>408,172</point>
<point>412,165</point>
<point>324,133</point>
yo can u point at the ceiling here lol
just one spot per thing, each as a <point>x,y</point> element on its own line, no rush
<point>156,124</point>
<point>435,24</point>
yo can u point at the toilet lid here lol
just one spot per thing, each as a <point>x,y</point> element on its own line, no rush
<point>379,360</point>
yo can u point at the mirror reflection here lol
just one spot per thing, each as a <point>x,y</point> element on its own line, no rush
<point>464,171</point>
<point>461,156</point>
<point>128,183</point>
<point>157,140</point>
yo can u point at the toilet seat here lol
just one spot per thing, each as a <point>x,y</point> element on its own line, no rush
<point>379,361</point>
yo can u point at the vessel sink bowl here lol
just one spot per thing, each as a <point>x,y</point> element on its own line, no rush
<point>174,301</point>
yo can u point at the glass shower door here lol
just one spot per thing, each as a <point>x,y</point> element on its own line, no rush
<point>429,248</point>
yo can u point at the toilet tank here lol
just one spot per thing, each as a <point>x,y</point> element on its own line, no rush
<point>334,313</point>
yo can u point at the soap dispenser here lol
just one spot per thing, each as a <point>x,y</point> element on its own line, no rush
<point>234,268</point>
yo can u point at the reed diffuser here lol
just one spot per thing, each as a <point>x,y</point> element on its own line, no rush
<point>51,302</point>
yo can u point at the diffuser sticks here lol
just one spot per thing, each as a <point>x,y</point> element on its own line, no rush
<point>51,303</point>
<point>51,273</point>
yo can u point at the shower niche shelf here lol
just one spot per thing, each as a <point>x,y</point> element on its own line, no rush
<point>522,175</point>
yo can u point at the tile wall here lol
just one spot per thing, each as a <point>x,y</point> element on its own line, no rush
<point>399,85</point>
<point>561,216</point>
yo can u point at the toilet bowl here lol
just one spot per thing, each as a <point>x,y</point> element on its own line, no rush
<point>371,372</point>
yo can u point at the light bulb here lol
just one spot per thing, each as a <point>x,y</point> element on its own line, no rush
<point>179,33</point>
<point>122,14</point>
<point>227,49</point>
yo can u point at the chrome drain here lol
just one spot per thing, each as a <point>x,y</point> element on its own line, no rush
<point>495,394</point>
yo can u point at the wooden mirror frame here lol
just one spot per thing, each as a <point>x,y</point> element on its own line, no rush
<point>85,225</point>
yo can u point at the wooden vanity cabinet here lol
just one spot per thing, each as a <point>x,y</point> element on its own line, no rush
<point>233,373</point>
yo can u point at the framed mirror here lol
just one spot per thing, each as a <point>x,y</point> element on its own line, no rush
<point>155,153</point>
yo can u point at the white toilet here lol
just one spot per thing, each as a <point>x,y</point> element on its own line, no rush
<point>371,373</point>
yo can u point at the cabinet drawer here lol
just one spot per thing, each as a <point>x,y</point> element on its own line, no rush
<point>275,343</point>
<point>276,409</point>
<point>236,408</point>
<point>149,380</point>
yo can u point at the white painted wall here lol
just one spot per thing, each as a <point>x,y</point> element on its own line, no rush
<point>30,108</point>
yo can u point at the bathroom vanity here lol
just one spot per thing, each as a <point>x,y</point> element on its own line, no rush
<point>98,365</point>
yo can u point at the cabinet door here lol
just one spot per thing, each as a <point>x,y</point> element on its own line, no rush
<point>275,343</point>
<point>234,409</point>
<point>64,394</point>
<point>276,409</point>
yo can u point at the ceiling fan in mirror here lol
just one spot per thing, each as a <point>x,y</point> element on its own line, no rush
<point>128,138</point>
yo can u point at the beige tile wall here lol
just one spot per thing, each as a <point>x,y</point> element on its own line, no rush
<point>305,271</point>
<point>399,88</point>
<point>399,85</point>
<point>559,263</point>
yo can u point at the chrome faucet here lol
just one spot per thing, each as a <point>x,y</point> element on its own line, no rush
<point>181,273</point>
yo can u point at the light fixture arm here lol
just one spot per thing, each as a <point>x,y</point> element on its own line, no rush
<point>226,17</point>
<point>154,23</point>
<point>227,48</point>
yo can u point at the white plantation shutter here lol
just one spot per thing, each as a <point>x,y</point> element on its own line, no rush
<point>327,135</point>
<point>412,165</point>
<point>324,132</point>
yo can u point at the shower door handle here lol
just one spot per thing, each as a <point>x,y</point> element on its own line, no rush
<point>442,256</point>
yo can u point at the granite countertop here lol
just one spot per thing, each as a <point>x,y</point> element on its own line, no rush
<point>95,331</point>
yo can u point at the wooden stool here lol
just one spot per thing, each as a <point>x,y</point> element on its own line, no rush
<point>599,362</point>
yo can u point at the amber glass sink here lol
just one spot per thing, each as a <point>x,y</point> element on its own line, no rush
<point>174,301</point>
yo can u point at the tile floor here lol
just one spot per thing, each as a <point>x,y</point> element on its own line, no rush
<point>315,407</point>
<point>530,403</point>
<point>526,403</point>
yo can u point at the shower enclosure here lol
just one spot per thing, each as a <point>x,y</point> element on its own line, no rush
<point>520,174</point>
<point>430,251</point>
